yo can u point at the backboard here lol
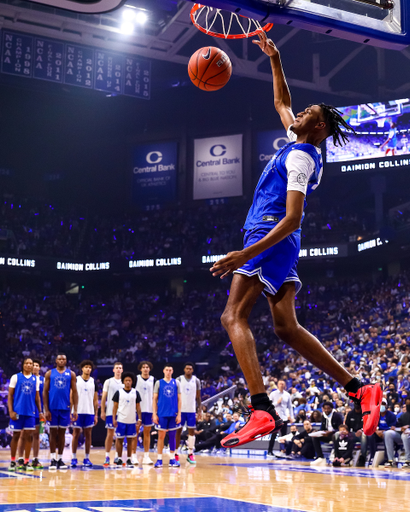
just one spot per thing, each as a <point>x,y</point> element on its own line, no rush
<point>383,23</point>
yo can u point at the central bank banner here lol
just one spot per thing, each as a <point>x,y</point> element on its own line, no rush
<point>155,173</point>
<point>268,143</point>
<point>218,167</point>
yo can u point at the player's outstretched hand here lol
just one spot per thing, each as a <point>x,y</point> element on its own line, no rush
<point>266,45</point>
<point>225,266</point>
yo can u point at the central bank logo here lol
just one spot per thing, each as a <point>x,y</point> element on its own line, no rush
<point>168,391</point>
<point>218,150</point>
<point>279,142</point>
<point>154,157</point>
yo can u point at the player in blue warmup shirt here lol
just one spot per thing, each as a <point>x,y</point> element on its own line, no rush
<point>36,435</point>
<point>23,400</point>
<point>58,384</point>
<point>268,262</point>
<point>167,413</point>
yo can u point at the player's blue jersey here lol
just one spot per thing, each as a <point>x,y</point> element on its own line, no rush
<point>24,399</point>
<point>60,385</point>
<point>271,191</point>
<point>41,380</point>
<point>167,398</point>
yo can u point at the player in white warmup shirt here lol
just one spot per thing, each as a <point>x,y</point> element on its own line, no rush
<point>191,400</point>
<point>87,413</point>
<point>111,386</point>
<point>145,387</point>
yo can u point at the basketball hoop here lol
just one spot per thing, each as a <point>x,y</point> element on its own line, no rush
<point>219,23</point>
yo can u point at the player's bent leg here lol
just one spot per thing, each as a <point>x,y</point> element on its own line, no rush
<point>264,419</point>
<point>287,328</point>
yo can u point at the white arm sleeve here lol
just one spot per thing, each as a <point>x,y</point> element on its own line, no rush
<point>38,384</point>
<point>291,135</point>
<point>13,381</point>
<point>300,167</point>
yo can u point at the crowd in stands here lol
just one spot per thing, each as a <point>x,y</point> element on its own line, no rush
<point>35,228</point>
<point>364,324</point>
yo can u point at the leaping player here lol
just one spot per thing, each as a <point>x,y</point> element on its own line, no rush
<point>268,262</point>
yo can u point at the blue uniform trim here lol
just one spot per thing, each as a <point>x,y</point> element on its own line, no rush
<point>109,423</point>
<point>127,430</point>
<point>22,423</point>
<point>146,418</point>
<point>188,419</point>
<point>84,421</point>
<point>276,265</point>
<point>167,423</point>
<point>59,419</point>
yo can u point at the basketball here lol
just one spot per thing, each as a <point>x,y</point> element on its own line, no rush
<point>209,68</point>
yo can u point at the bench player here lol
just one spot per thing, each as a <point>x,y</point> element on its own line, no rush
<point>111,386</point>
<point>145,387</point>
<point>268,262</point>
<point>23,400</point>
<point>167,413</point>
<point>59,384</point>
<point>190,401</point>
<point>87,413</point>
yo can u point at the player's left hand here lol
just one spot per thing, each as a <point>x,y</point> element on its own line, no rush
<point>225,266</point>
<point>178,419</point>
<point>96,419</point>
<point>74,416</point>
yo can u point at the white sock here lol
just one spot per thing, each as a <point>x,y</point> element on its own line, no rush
<point>53,456</point>
<point>117,455</point>
<point>73,455</point>
<point>146,455</point>
<point>87,455</point>
<point>160,456</point>
<point>107,454</point>
<point>191,444</point>
<point>60,457</point>
<point>172,455</point>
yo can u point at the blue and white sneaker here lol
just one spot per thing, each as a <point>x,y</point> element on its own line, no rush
<point>87,463</point>
<point>158,464</point>
<point>173,463</point>
<point>74,463</point>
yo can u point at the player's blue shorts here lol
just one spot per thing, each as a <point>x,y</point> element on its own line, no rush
<point>167,423</point>
<point>188,419</point>
<point>276,265</point>
<point>84,421</point>
<point>109,423</point>
<point>146,418</point>
<point>37,421</point>
<point>23,422</point>
<point>126,430</point>
<point>60,418</point>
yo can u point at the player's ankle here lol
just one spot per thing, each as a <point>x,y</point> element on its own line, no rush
<point>261,402</point>
<point>353,386</point>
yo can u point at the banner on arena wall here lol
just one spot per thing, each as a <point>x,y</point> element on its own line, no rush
<point>83,66</point>
<point>268,143</point>
<point>154,179</point>
<point>218,167</point>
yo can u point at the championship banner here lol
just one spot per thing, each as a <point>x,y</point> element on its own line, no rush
<point>268,143</point>
<point>218,167</point>
<point>155,174</point>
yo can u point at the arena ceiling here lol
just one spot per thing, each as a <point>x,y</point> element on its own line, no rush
<point>313,61</point>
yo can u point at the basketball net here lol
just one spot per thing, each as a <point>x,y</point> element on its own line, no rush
<point>224,24</point>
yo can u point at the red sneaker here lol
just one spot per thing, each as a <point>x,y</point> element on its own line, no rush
<point>370,398</point>
<point>177,457</point>
<point>259,424</point>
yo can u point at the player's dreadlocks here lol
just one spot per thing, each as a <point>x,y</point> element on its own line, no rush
<point>334,120</point>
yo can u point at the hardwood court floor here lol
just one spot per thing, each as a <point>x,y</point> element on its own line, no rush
<point>214,484</point>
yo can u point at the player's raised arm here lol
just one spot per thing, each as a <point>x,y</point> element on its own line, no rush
<point>281,94</point>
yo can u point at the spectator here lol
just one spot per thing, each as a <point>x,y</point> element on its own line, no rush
<point>331,421</point>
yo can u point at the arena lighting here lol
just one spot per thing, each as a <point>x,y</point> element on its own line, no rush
<point>141,17</point>
<point>129,14</point>
<point>127,27</point>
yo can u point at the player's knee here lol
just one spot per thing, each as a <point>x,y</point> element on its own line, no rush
<point>228,319</point>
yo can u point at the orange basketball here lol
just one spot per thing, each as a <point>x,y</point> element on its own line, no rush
<point>209,68</point>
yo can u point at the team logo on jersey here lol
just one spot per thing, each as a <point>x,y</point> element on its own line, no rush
<point>302,179</point>
<point>169,391</point>
<point>27,387</point>
<point>60,382</point>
